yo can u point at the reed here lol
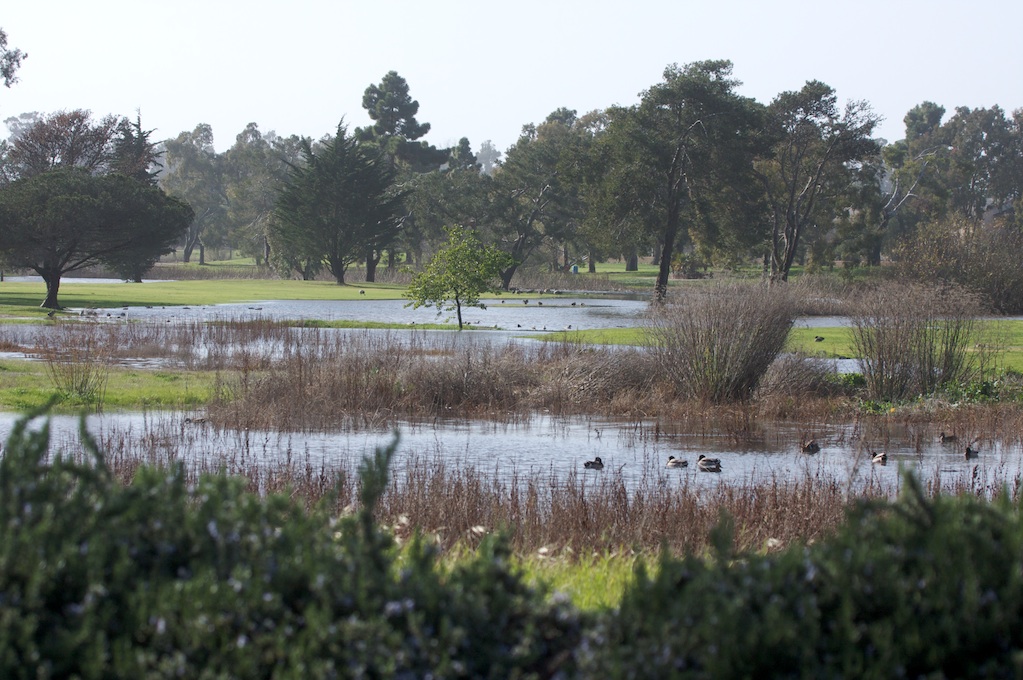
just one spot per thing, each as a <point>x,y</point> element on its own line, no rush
<point>77,362</point>
<point>570,516</point>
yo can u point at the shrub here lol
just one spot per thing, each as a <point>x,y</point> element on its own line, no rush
<point>914,339</point>
<point>983,258</point>
<point>922,588</point>
<point>717,344</point>
<point>157,579</point>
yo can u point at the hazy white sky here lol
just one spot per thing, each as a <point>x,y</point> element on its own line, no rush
<point>483,68</point>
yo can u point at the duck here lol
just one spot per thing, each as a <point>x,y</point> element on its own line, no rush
<point>708,464</point>
<point>595,464</point>
<point>879,458</point>
<point>811,447</point>
<point>971,453</point>
<point>818,338</point>
<point>674,462</point>
<point>947,438</point>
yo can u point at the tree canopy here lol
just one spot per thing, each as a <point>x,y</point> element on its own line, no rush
<point>337,205</point>
<point>67,219</point>
<point>459,273</point>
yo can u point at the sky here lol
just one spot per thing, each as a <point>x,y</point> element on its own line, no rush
<point>482,69</point>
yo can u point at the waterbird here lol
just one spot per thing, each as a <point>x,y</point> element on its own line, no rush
<point>708,464</point>
<point>947,438</point>
<point>674,462</point>
<point>971,453</point>
<point>595,464</point>
<point>879,458</point>
<point>811,447</point>
<point>818,338</point>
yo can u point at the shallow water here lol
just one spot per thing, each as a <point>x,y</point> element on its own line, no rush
<point>555,448</point>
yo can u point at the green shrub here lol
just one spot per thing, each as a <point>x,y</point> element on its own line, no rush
<point>921,588</point>
<point>156,579</point>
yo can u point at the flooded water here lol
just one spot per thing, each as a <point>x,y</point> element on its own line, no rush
<point>537,314</point>
<point>554,448</point>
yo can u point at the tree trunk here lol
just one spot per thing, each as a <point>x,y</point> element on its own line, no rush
<point>593,262</point>
<point>632,262</point>
<point>372,260</point>
<point>52,286</point>
<point>392,259</point>
<point>202,253</point>
<point>186,252</point>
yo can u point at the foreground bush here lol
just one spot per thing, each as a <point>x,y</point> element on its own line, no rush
<point>156,579</point>
<point>922,588</point>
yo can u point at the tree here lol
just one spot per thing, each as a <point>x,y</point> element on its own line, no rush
<point>10,60</point>
<point>689,134</point>
<point>133,154</point>
<point>67,219</point>
<point>488,157</point>
<point>396,135</point>
<point>60,140</point>
<point>815,148</point>
<point>255,167</point>
<point>193,172</point>
<point>458,274</point>
<point>339,204</point>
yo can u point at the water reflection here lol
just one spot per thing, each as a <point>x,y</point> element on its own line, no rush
<point>555,448</point>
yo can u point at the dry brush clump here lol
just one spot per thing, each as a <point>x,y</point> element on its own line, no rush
<point>354,379</point>
<point>913,339</point>
<point>716,344</point>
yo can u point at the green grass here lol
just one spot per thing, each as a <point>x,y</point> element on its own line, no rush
<point>26,296</point>
<point>26,385</point>
<point>592,583</point>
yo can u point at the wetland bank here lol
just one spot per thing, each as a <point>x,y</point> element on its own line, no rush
<point>495,424</point>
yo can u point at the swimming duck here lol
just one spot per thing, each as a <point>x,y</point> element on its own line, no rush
<point>595,464</point>
<point>946,438</point>
<point>674,462</point>
<point>879,458</point>
<point>811,447</point>
<point>971,453</point>
<point>708,464</point>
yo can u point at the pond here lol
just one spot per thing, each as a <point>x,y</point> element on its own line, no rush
<point>555,448</point>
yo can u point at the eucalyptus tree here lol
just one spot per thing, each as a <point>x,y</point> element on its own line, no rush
<point>815,149</point>
<point>339,203</point>
<point>536,190</point>
<point>193,171</point>
<point>255,168</point>
<point>672,151</point>
<point>978,170</point>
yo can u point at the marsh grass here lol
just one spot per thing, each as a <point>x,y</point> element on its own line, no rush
<point>329,380</point>
<point>77,362</point>
<point>548,517</point>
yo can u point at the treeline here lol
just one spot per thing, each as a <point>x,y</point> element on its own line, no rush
<point>692,175</point>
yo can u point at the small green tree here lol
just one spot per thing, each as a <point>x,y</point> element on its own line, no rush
<point>458,274</point>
